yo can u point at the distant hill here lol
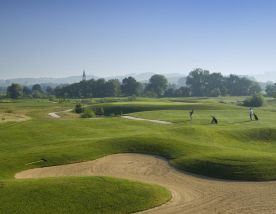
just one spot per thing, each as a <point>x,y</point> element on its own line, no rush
<point>143,77</point>
<point>44,81</point>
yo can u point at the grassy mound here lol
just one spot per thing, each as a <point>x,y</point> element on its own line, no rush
<point>79,195</point>
<point>118,108</point>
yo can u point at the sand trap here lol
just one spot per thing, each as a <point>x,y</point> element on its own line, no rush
<point>142,119</point>
<point>13,117</point>
<point>191,194</point>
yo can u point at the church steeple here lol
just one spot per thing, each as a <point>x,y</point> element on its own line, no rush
<point>83,76</point>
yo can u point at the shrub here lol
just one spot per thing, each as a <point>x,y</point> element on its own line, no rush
<point>99,111</point>
<point>254,101</point>
<point>88,113</point>
<point>215,92</point>
<point>78,108</point>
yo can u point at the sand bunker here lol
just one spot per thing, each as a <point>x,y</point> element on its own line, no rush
<point>191,194</point>
<point>13,117</point>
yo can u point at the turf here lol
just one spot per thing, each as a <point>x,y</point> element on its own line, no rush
<point>79,195</point>
<point>236,148</point>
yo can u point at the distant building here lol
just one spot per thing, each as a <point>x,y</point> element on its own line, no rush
<point>83,76</point>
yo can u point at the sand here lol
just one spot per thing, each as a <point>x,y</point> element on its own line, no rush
<point>191,194</point>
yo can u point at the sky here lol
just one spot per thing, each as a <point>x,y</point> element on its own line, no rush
<point>58,38</point>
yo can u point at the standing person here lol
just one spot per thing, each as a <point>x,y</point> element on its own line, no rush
<point>251,113</point>
<point>191,114</point>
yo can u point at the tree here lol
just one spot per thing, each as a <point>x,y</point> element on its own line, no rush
<point>170,92</point>
<point>27,92</point>
<point>203,83</point>
<point>112,88</point>
<point>215,92</point>
<point>99,88</point>
<point>14,91</point>
<point>130,86</point>
<point>254,88</point>
<point>183,92</point>
<point>78,108</point>
<point>37,91</point>
<point>157,84</point>
<point>256,100</point>
<point>197,80</point>
<point>271,90</point>
<point>238,86</point>
<point>37,87</point>
<point>216,85</point>
<point>180,92</point>
<point>49,90</point>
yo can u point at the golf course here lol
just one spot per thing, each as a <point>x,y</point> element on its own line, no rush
<point>141,155</point>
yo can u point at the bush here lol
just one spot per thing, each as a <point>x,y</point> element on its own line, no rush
<point>88,113</point>
<point>254,101</point>
<point>215,92</point>
<point>78,108</point>
<point>99,111</point>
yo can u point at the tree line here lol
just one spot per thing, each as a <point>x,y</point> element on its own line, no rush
<point>199,83</point>
<point>271,90</point>
<point>16,90</point>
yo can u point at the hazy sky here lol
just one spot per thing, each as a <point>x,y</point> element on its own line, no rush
<point>55,38</point>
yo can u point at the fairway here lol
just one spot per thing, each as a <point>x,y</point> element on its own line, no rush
<point>235,149</point>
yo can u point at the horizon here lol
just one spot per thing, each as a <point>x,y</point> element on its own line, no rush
<point>107,38</point>
<point>259,77</point>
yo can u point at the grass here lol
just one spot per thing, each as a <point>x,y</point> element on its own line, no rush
<point>236,148</point>
<point>79,195</point>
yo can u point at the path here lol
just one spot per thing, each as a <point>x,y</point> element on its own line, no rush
<point>191,194</point>
<point>55,114</point>
<point>142,119</point>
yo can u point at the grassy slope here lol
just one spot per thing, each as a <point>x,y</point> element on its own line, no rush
<point>79,195</point>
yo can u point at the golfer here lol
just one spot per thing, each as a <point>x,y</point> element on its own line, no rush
<point>251,114</point>
<point>191,114</point>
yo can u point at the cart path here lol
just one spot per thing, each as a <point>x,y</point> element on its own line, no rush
<point>142,119</point>
<point>55,114</point>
